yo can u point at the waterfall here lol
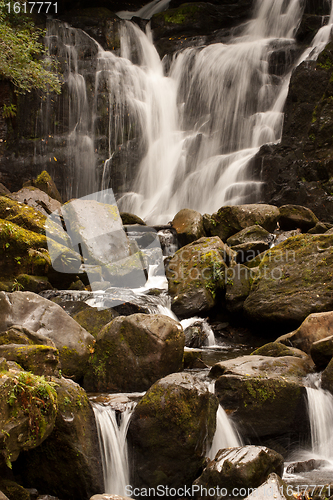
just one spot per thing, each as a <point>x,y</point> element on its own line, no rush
<point>165,140</point>
<point>113,445</point>
<point>226,434</point>
<point>320,408</point>
<point>229,105</point>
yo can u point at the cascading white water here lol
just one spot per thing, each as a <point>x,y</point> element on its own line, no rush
<point>185,139</point>
<point>229,106</point>
<point>113,446</point>
<point>226,434</point>
<point>76,131</point>
<point>320,408</point>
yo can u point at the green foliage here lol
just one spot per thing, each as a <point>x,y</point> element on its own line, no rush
<point>9,111</point>
<point>21,55</point>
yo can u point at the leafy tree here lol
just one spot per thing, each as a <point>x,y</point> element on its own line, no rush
<point>21,54</point>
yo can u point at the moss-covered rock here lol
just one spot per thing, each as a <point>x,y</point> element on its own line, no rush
<point>229,220</point>
<point>45,183</point>
<point>38,359</point>
<point>296,216</point>
<point>48,319</point>
<point>68,463</point>
<point>264,395</point>
<point>132,352</point>
<point>36,284</point>
<point>12,490</point>
<point>21,214</point>
<point>195,274</point>
<point>128,219</point>
<point>189,226</point>
<point>28,408</point>
<point>293,280</point>
<point>170,430</point>
<point>240,467</point>
<point>276,350</point>
<point>93,320</point>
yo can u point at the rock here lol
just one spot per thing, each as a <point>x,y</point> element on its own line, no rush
<point>319,228</point>
<point>170,430</point>
<point>292,281</point>
<point>71,452</point>
<point>196,333</point>
<point>193,359</point>
<point>132,352</point>
<point>229,220</point>
<point>28,407</point>
<point>48,319</point>
<point>308,465</point>
<point>195,273</point>
<point>249,251</point>
<point>33,283</point>
<point>250,234</point>
<point>237,287</point>
<point>127,218</point>
<point>240,467</point>
<point>189,226</point>
<point>322,351</point>
<point>38,359</point>
<point>316,326</point>
<point>327,378</point>
<point>45,183</point>
<point>272,489</point>
<point>284,235</point>
<point>37,199</point>
<point>93,320</point>
<point>276,350</point>
<point>13,490</point>
<point>296,216</point>
<point>264,395</point>
<point>20,335</point>
<point>25,216</point>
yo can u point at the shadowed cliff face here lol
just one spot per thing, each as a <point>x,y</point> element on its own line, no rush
<point>299,170</point>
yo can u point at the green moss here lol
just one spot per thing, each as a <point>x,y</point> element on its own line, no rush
<point>37,398</point>
<point>179,16</point>
<point>22,215</point>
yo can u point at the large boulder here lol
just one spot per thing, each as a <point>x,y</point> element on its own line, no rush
<point>195,273</point>
<point>37,199</point>
<point>132,352</point>
<point>316,326</point>
<point>28,409</point>
<point>68,463</point>
<point>292,281</point>
<point>170,430</point>
<point>229,220</point>
<point>189,226</point>
<point>296,216</point>
<point>241,467</point>
<point>265,395</point>
<point>48,319</point>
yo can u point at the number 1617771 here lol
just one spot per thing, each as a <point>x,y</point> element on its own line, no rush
<point>29,7</point>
